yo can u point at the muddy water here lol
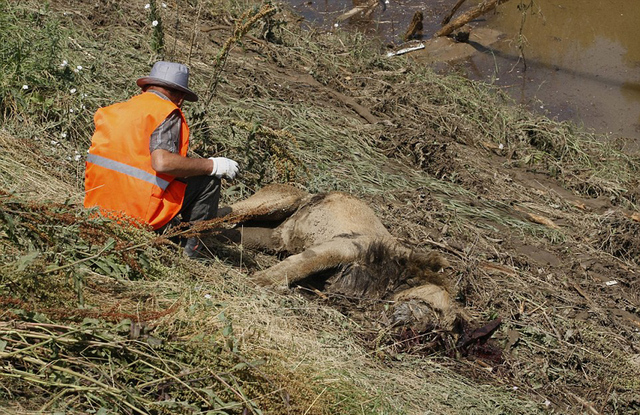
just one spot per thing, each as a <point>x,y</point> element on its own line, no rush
<point>581,57</point>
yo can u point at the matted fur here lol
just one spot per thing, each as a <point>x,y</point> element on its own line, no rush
<point>380,272</point>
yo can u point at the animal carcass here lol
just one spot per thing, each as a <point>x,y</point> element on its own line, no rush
<point>336,243</point>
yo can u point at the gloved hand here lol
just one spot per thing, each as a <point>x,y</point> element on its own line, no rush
<point>224,167</point>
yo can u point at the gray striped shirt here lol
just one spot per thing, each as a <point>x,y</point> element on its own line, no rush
<point>167,135</point>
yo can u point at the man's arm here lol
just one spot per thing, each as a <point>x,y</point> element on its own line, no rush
<point>164,161</point>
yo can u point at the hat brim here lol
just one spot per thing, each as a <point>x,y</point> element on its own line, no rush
<point>150,80</point>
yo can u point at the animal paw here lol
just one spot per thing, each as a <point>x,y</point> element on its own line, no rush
<point>263,279</point>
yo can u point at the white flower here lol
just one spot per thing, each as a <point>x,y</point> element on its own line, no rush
<point>207,296</point>
<point>84,108</point>
<point>154,23</point>
<point>335,25</point>
<point>73,90</point>
<point>164,6</point>
<point>84,95</point>
<point>71,110</point>
<point>25,87</point>
<point>54,142</point>
<point>78,69</point>
<point>64,63</point>
<point>77,157</point>
<point>501,146</point>
<point>146,6</point>
<point>63,135</point>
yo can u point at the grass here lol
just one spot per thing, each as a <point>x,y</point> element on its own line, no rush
<point>94,310</point>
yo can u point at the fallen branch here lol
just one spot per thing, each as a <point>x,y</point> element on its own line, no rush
<point>453,11</point>
<point>465,18</point>
<point>367,8</point>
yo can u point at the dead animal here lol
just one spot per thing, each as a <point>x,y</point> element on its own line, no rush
<point>338,245</point>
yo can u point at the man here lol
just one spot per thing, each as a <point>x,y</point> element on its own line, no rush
<point>137,163</point>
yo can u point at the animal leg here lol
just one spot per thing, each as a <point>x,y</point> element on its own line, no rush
<point>321,257</point>
<point>271,203</point>
<point>252,237</point>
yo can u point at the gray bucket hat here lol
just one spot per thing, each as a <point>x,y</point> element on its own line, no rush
<point>169,75</point>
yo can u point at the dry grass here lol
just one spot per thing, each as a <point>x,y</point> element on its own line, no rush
<point>84,299</point>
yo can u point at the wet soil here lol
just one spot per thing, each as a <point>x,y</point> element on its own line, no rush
<point>573,61</point>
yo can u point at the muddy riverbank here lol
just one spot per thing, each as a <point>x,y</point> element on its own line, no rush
<point>575,61</point>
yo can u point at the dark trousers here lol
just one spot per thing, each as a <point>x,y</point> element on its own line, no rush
<point>201,199</point>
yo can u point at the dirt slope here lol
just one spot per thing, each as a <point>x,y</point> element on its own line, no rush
<point>538,220</point>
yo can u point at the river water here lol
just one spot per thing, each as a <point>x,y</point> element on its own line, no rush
<point>581,57</point>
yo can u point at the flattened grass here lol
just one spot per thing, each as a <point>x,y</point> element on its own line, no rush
<point>210,340</point>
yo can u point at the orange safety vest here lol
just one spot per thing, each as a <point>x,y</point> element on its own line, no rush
<point>118,176</point>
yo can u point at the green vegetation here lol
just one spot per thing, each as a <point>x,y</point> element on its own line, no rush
<point>103,317</point>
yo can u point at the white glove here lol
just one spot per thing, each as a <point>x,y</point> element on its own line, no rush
<point>224,167</point>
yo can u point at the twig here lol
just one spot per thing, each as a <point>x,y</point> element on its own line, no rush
<point>446,247</point>
<point>453,11</point>
<point>552,326</point>
<point>481,9</point>
<point>195,33</point>
<point>238,394</point>
<point>315,400</point>
<point>174,377</point>
<point>582,402</point>
<point>239,31</point>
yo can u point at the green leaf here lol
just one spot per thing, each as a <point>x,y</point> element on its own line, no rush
<point>227,330</point>
<point>109,245</point>
<point>90,322</point>
<point>24,261</point>
<point>239,366</point>
<point>124,326</point>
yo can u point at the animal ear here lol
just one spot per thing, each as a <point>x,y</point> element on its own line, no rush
<point>431,260</point>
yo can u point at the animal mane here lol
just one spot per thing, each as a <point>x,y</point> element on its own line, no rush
<point>379,271</point>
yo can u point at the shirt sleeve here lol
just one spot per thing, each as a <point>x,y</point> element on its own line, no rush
<point>167,135</point>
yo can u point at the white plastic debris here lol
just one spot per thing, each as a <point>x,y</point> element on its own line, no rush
<point>405,50</point>
<point>610,283</point>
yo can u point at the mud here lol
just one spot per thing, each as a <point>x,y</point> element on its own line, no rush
<point>580,63</point>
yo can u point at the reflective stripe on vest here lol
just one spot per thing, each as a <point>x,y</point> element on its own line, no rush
<point>128,170</point>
